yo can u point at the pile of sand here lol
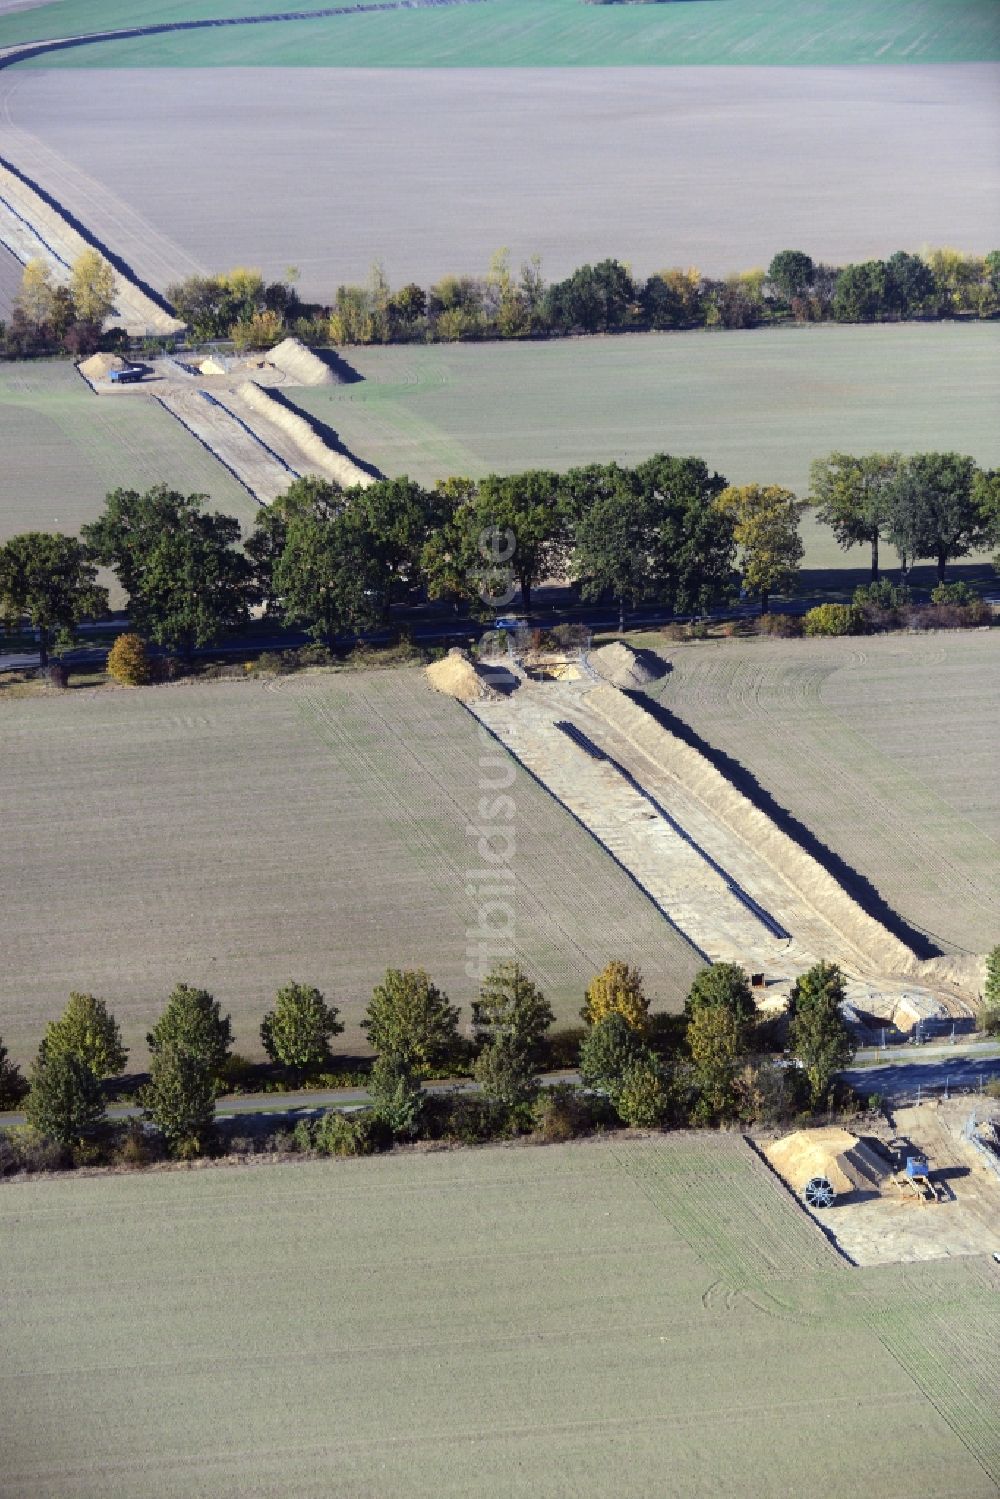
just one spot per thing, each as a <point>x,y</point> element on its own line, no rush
<point>98,366</point>
<point>457,676</point>
<point>618,664</point>
<point>300,363</point>
<point>213,365</point>
<point>847,1162</point>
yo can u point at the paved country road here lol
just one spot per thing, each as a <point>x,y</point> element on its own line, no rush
<point>929,1070</point>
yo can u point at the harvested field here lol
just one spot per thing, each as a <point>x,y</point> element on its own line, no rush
<point>315,827</point>
<point>430,1324</point>
<point>64,449</point>
<point>714,167</point>
<point>882,749</point>
<point>537,33</point>
<point>758,405</point>
<point>10,281</point>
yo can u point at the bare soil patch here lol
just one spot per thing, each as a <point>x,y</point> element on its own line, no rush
<point>719,167</point>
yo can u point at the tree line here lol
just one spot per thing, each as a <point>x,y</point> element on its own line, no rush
<point>668,531</point>
<point>602,298</point>
<point>705,1067</point>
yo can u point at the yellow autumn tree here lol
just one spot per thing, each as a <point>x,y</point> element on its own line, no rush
<point>128,662</point>
<point>765,521</point>
<point>617,990</point>
<point>92,286</point>
<point>36,298</point>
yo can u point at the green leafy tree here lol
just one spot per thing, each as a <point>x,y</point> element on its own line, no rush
<point>991,997</point>
<point>862,293</point>
<point>505,1073</point>
<point>642,1098</point>
<point>909,284</point>
<point>194,1020</point>
<point>617,989</point>
<point>855,497</point>
<point>308,495</point>
<point>724,984</point>
<point>610,1047</point>
<point>715,1039</point>
<point>937,508</point>
<point>296,1033</point>
<point>410,1018</point>
<point>652,532</point>
<point>766,530</point>
<point>187,583</point>
<point>510,1006</point>
<point>595,299</point>
<point>820,1039</point>
<point>505,530</point>
<point>65,1103</point>
<point>791,273</point>
<point>12,1085</point>
<point>180,1097</point>
<point>397,1098</point>
<point>48,579</point>
<point>87,1030</point>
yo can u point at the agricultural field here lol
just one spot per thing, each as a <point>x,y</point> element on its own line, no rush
<point>10,281</point>
<point>442,1323</point>
<point>884,749</point>
<point>553,33</point>
<point>64,448</point>
<point>690,168</point>
<point>756,406</point>
<point>314,828</point>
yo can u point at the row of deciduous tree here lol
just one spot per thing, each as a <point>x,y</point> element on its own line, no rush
<point>601,298</point>
<point>668,531</point>
<point>414,1030</point>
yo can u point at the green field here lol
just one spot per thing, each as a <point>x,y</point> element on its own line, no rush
<point>622,1317</point>
<point>64,447</point>
<point>237,835</point>
<point>884,748</point>
<point>543,33</point>
<point>757,406</point>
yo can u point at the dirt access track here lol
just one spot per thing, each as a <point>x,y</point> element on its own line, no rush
<point>720,871</point>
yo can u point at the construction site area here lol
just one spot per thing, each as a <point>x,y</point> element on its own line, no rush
<point>922,1184</point>
<point>719,869</point>
<point>233,406</point>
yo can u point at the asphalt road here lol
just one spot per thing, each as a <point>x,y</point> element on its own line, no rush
<point>930,1069</point>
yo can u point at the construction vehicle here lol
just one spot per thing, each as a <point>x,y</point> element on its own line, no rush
<point>915,1183</point>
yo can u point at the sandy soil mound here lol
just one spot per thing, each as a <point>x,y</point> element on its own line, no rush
<point>457,676</point>
<point>847,1162</point>
<point>618,664</point>
<point>98,366</point>
<point>336,466</point>
<point>300,363</point>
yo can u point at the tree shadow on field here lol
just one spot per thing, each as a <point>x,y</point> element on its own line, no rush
<point>857,885</point>
<point>839,583</point>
